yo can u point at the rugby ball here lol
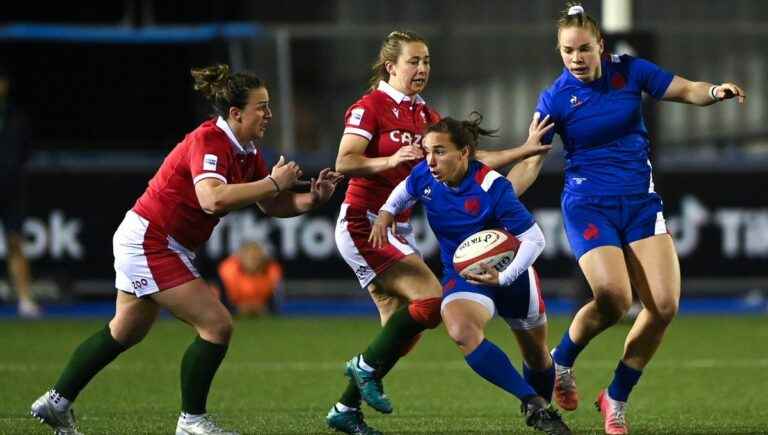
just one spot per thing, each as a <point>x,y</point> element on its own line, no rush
<point>495,248</point>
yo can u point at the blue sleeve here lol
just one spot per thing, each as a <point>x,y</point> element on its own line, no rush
<point>544,107</point>
<point>651,78</point>
<point>512,214</point>
<point>415,179</point>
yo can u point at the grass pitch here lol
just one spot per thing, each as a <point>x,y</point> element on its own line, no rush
<point>282,375</point>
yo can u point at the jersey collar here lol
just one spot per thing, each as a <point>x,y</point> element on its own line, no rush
<point>249,148</point>
<point>571,79</point>
<point>396,95</point>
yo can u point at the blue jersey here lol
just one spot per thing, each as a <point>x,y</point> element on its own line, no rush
<point>601,125</point>
<point>484,199</point>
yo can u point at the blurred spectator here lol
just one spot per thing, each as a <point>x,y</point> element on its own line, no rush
<point>14,146</point>
<point>252,280</point>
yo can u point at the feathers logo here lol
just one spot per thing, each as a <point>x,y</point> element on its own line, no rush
<point>618,81</point>
<point>472,206</point>
<point>591,232</point>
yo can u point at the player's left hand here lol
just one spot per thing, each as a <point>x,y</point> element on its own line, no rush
<point>323,187</point>
<point>536,130</point>
<point>490,276</point>
<point>726,91</point>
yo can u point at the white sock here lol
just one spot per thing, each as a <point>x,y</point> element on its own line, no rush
<point>191,418</point>
<point>59,402</point>
<point>361,363</point>
<point>340,407</point>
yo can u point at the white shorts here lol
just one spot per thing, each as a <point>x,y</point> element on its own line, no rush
<point>147,260</point>
<point>352,230</point>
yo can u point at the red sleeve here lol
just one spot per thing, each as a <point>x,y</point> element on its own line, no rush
<point>209,157</point>
<point>361,119</point>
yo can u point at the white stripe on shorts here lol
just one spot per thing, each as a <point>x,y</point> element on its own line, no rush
<point>481,299</point>
<point>533,294</point>
<point>661,224</point>
<point>132,272</point>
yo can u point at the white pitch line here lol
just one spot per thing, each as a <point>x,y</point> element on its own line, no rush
<point>301,366</point>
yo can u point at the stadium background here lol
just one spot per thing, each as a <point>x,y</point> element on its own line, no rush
<point>108,90</point>
<point>110,95</point>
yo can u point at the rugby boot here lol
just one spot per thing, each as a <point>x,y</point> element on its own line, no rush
<point>200,425</point>
<point>541,416</point>
<point>566,395</point>
<point>371,389</point>
<point>349,422</point>
<point>614,414</point>
<point>62,422</point>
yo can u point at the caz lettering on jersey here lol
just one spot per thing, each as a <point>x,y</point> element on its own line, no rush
<point>405,137</point>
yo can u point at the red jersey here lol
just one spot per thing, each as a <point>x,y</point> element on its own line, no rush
<point>209,151</point>
<point>388,119</point>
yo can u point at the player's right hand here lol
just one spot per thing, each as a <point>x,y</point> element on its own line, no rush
<point>285,174</point>
<point>404,154</point>
<point>378,236</point>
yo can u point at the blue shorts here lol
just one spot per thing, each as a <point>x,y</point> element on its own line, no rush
<point>520,305</point>
<point>593,221</point>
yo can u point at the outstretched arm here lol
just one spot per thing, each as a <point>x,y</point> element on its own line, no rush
<point>682,90</point>
<point>288,204</point>
<point>531,147</point>
<point>216,197</point>
<point>524,173</point>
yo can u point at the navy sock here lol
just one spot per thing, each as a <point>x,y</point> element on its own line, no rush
<point>566,352</point>
<point>624,379</point>
<point>492,363</point>
<point>541,381</point>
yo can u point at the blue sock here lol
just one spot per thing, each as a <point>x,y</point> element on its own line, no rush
<point>624,379</point>
<point>566,352</point>
<point>492,363</point>
<point>543,382</point>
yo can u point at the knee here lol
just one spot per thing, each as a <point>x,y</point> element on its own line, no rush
<point>612,304</point>
<point>426,311</point>
<point>665,312</point>
<point>126,335</point>
<point>465,335</point>
<point>217,330</point>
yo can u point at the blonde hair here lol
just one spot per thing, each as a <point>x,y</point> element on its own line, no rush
<point>575,16</point>
<point>390,50</point>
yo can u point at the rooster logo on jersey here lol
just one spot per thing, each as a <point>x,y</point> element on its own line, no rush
<point>427,195</point>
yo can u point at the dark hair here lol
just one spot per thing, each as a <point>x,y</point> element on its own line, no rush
<point>462,133</point>
<point>577,18</point>
<point>224,89</point>
<point>390,50</point>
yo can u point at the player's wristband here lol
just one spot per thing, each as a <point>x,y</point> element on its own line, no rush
<point>713,94</point>
<point>277,187</point>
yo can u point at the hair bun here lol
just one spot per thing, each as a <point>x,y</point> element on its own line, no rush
<point>576,10</point>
